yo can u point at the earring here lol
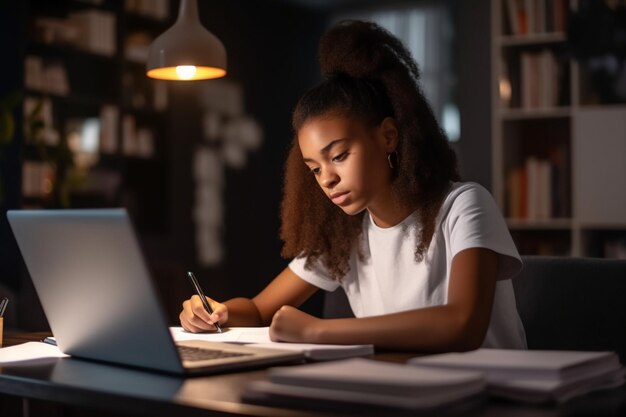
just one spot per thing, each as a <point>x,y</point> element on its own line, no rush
<point>392,164</point>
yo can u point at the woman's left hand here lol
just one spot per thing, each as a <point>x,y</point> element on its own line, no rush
<point>292,325</point>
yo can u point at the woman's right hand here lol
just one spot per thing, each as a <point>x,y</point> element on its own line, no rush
<point>194,317</point>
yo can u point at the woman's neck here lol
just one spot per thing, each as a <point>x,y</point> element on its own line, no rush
<point>389,211</point>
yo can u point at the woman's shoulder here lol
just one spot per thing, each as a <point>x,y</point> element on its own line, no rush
<point>465,193</point>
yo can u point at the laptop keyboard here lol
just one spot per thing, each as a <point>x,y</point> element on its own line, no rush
<point>191,354</point>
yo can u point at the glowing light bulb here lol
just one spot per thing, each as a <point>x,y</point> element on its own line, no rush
<point>185,72</point>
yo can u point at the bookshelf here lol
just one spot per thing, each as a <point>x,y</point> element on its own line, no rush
<point>558,170</point>
<point>96,128</point>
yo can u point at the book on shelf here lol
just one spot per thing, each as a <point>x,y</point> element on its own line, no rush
<point>97,31</point>
<point>109,120</point>
<point>366,382</point>
<point>37,178</point>
<point>525,17</point>
<point>155,9</point>
<point>540,79</point>
<point>46,77</point>
<point>538,189</point>
<point>535,376</point>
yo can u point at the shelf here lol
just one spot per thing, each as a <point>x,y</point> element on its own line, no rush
<point>532,39</point>
<point>536,113</point>
<point>556,150</point>
<point>135,65</point>
<point>56,51</point>
<point>96,79</point>
<point>73,98</point>
<point>147,23</point>
<point>603,226</point>
<point>143,112</point>
<point>611,106</point>
<point>547,224</point>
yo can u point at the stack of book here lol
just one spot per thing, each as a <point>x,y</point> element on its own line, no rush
<point>439,382</point>
<point>535,376</point>
<point>364,382</point>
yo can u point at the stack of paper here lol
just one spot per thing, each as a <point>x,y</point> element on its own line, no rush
<point>367,382</point>
<point>29,351</point>
<point>535,375</point>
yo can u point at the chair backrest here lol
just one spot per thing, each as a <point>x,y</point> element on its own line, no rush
<point>564,303</point>
<point>336,305</point>
<point>573,303</point>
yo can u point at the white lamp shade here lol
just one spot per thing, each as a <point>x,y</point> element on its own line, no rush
<point>186,51</point>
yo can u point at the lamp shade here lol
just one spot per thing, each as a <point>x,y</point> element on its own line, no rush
<point>186,51</point>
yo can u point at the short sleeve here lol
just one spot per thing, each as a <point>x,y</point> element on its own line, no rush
<point>474,221</point>
<point>316,275</point>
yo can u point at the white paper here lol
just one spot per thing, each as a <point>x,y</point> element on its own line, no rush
<point>260,337</point>
<point>29,351</point>
<point>229,334</point>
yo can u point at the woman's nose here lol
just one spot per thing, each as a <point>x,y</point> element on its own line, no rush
<point>329,178</point>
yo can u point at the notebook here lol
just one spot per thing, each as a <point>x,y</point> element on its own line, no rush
<point>535,375</point>
<point>96,292</point>
<point>260,337</point>
<point>368,383</point>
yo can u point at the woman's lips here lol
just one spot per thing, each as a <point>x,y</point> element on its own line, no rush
<point>339,198</point>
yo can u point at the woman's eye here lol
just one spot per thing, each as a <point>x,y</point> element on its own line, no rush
<point>340,157</point>
<point>315,171</point>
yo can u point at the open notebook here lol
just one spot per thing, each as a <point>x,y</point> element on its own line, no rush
<point>260,337</point>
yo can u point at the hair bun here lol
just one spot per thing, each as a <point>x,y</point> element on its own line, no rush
<point>362,50</point>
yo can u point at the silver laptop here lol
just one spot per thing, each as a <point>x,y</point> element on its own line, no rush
<point>100,302</point>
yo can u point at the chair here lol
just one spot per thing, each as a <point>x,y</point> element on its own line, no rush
<point>564,303</point>
<point>336,305</point>
<point>573,303</point>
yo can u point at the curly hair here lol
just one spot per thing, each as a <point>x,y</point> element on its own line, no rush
<point>370,75</point>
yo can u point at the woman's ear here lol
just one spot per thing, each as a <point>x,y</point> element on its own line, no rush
<point>389,131</point>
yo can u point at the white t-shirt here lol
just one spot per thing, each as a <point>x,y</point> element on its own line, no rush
<point>387,279</point>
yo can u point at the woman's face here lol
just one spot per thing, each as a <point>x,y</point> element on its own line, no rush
<point>348,159</point>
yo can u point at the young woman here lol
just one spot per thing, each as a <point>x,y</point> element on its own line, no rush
<point>372,203</point>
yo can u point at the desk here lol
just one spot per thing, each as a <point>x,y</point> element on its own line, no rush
<point>74,387</point>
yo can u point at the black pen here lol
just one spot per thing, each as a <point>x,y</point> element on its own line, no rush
<point>199,291</point>
<point>3,305</point>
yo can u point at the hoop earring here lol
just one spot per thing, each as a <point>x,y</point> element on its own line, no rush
<point>391,162</point>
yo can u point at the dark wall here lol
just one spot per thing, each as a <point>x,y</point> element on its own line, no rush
<point>272,53</point>
<point>473,40</point>
<point>10,169</point>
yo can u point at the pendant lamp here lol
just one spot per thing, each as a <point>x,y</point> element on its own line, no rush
<point>186,51</point>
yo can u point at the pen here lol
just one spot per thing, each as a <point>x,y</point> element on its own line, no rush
<point>3,305</point>
<point>199,291</point>
<point>50,341</point>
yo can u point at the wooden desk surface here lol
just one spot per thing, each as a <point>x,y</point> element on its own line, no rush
<point>127,391</point>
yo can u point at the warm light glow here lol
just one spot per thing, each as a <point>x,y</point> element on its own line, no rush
<point>505,90</point>
<point>185,72</point>
<point>173,73</point>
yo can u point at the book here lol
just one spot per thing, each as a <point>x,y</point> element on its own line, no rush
<point>259,337</point>
<point>359,381</point>
<point>535,375</point>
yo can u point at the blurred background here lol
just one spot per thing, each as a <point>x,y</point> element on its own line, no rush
<point>531,93</point>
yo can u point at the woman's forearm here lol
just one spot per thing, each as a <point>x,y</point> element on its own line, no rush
<point>243,312</point>
<point>432,329</point>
